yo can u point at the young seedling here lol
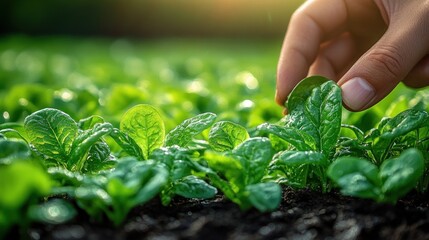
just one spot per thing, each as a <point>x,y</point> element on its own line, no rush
<point>311,129</point>
<point>393,179</point>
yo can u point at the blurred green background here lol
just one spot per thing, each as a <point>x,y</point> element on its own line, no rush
<point>148,18</point>
<point>104,56</point>
<point>184,57</point>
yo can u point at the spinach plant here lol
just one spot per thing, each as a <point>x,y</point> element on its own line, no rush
<point>308,134</point>
<point>113,193</point>
<point>238,173</point>
<point>387,183</point>
<point>408,129</point>
<point>56,137</point>
<point>144,126</point>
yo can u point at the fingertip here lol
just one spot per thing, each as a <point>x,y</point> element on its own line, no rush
<point>279,98</point>
<point>358,94</point>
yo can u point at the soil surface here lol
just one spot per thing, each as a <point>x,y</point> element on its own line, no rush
<point>303,214</point>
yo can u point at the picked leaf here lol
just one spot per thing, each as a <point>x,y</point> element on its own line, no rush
<point>144,124</point>
<point>320,115</point>
<point>302,91</point>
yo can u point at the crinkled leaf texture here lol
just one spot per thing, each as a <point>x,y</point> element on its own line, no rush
<point>52,133</point>
<point>404,122</point>
<point>225,135</point>
<point>315,107</point>
<point>184,132</point>
<point>144,124</point>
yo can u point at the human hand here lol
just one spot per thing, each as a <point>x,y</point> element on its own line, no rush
<point>366,46</point>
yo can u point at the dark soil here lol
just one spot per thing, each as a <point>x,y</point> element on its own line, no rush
<point>303,214</point>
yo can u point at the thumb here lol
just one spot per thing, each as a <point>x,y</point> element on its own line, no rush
<point>382,67</point>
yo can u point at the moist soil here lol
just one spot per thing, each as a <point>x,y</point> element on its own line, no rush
<point>303,214</point>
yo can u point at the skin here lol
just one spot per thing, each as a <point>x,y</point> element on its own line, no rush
<point>366,46</point>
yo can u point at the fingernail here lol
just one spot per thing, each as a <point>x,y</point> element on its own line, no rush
<point>357,93</point>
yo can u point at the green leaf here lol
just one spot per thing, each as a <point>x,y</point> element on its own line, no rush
<point>225,135</point>
<point>265,196</point>
<point>302,91</point>
<point>356,177</point>
<point>318,112</point>
<point>153,185</point>
<point>297,138</point>
<point>11,150</point>
<point>89,122</point>
<point>183,133</point>
<point>99,158</point>
<point>144,124</point>
<point>52,133</point>
<point>401,174</point>
<point>230,166</point>
<point>254,155</point>
<point>294,158</point>
<point>193,187</point>
<point>127,143</point>
<point>404,122</point>
<point>82,144</point>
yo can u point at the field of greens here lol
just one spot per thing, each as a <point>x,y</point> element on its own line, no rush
<point>103,126</point>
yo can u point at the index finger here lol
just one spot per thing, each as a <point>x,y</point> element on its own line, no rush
<point>314,22</point>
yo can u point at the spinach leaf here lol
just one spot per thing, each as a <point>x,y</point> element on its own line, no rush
<point>13,150</point>
<point>144,124</point>
<point>401,174</point>
<point>183,133</point>
<point>317,111</point>
<point>116,192</point>
<point>239,174</point>
<point>193,187</point>
<point>312,127</point>
<point>127,143</point>
<point>225,135</point>
<point>397,131</point>
<point>404,122</point>
<point>297,138</point>
<point>294,158</point>
<point>181,181</point>
<point>302,91</point>
<point>264,196</point>
<point>395,177</point>
<point>52,133</point>
<point>85,141</point>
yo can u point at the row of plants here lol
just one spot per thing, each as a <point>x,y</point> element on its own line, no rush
<point>51,164</point>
